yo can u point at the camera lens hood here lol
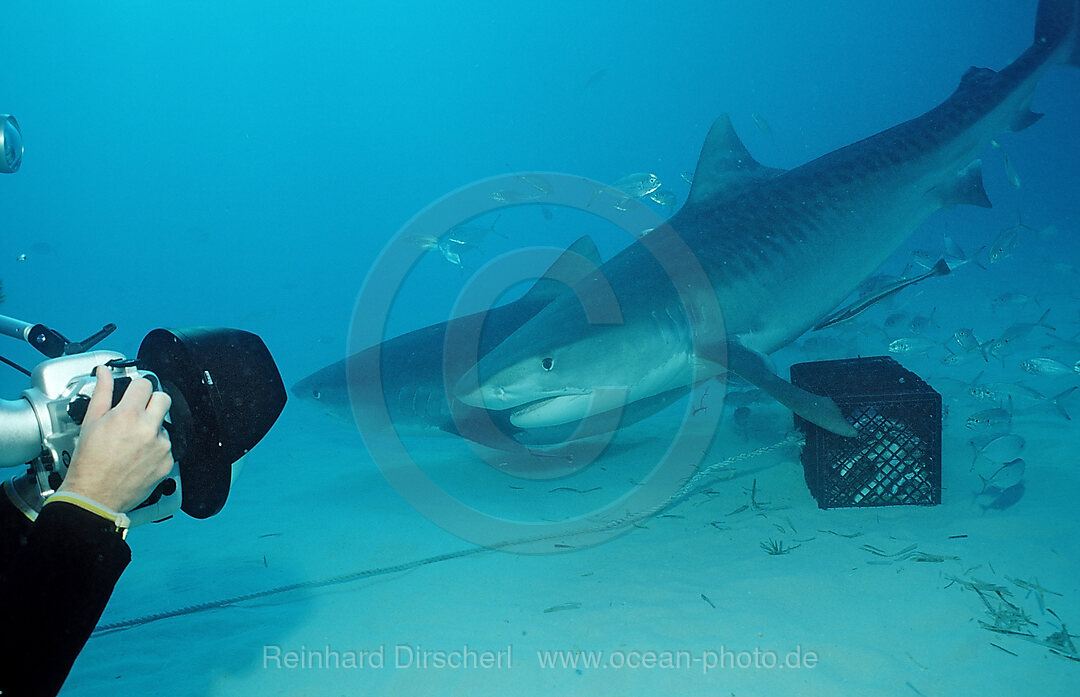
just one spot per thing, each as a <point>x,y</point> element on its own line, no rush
<point>227,393</point>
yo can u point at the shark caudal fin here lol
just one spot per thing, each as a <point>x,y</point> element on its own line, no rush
<point>1058,22</point>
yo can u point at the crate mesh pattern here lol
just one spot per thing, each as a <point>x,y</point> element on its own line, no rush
<point>896,458</point>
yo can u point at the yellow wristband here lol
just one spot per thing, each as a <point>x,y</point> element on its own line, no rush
<point>120,520</point>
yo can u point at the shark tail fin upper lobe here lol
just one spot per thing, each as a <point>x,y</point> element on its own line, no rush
<point>1059,21</point>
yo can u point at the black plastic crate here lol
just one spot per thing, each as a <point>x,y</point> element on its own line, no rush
<point>896,458</point>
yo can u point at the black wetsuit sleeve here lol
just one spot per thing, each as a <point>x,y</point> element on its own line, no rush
<point>56,576</point>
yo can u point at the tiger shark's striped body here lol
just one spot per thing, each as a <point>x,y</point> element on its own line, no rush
<point>779,250</point>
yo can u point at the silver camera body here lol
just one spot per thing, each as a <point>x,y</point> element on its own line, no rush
<point>41,429</point>
<point>226,394</point>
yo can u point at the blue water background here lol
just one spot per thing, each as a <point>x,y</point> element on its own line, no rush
<point>242,164</point>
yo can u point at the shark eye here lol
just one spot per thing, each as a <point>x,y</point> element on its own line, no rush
<point>547,363</point>
<point>316,394</point>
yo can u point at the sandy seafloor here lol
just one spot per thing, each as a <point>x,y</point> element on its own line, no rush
<point>305,149</point>
<point>694,580</point>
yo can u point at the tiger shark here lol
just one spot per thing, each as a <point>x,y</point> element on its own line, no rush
<point>413,370</point>
<point>754,258</point>
<point>779,250</point>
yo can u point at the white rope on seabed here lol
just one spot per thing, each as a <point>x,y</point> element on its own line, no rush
<point>685,490</point>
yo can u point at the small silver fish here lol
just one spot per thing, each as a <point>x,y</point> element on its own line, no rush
<point>762,124</point>
<point>1002,246</point>
<point>1007,475</point>
<point>955,255</point>
<point>965,339</point>
<point>912,344</point>
<point>450,249</point>
<point>999,449</point>
<point>1048,366</point>
<point>1021,329</point>
<point>894,320</point>
<point>663,197</point>
<point>537,182</point>
<point>1000,499</point>
<point>1000,391</point>
<point>995,420</point>
<point>1010,172</point>
<point>1006,241</point>
<point>472,234</point>
<point>951,359</point>
<point>1055,401</point>
<point>513,197</point>
<point>1062,344</point>
<point>996,348</point>
<point>920,323</point>
<point>687,177</point>
<point>1010,300</point>
<point>638,184</point>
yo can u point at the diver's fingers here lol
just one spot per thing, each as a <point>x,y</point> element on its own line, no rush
<point>101,399</point>
<point>158,406</point>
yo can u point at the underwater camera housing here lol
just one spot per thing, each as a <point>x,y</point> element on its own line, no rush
<point>226,393</point>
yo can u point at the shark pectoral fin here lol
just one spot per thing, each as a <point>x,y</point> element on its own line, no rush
<point>725,163</point>
<point>817,409</point>
<point>965,187</point>
<point>578,261</point>
<point>1026,117</point>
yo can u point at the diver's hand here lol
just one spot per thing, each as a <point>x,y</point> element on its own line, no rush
<point>123,452</point>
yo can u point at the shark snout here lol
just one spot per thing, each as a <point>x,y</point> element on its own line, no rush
<point>495,393</point>
<point>469,391</point>
<point>501,391</point>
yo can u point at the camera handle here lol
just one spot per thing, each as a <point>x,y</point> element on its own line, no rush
<point>48,341</point>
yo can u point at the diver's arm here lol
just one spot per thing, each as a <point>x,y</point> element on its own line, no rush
<point>53,589</point>
<point>14,527</point>
<point>59,571</point>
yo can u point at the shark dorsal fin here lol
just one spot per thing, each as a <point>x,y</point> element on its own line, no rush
<point>977,76</point>
<point>578,261</point>
<point>725,164</point>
